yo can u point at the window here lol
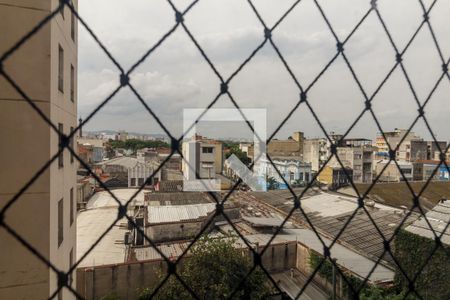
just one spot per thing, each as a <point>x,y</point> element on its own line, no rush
<point>72,26</point>
<point>72,83</point>
<point>207,149</point>
<point>72,210</point>
<point>61,69</point>
<point>61,155</point>
<point>133,182</point>
<point>207,164</point>
<point>60,221</point>
<point>71,145</point>
<point>406,171</point>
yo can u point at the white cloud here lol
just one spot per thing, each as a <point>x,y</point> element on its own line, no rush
<point>176,76</point>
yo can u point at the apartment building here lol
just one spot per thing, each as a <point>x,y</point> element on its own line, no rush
<point>393,138</point>
<point>434,147</point>
<point>122,136</point>
<point>200,160</point>
<point>315,152</point>
<point>359,159</point>
<point>45,68</point>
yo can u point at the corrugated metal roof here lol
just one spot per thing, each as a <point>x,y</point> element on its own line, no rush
<point>345,257</point>
<point>176,213</point>
<point>438,218</point>
<point>178,198</point>
<point>265,222</point>
<point>329,211</point>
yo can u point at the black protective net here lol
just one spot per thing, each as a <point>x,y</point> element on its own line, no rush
<point>425,24</point>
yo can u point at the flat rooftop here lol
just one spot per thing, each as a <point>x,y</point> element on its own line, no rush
<point>91,224</point>
<point>104,199</point>
<point>100,214</point>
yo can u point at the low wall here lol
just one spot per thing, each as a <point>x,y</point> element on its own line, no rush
<point>303,265</point>
<point>174,231</point>
<point>127,279</point>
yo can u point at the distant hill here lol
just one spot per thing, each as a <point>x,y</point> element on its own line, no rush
<point>398,194</point>
<point>111,132</point>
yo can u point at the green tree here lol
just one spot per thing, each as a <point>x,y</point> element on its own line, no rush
<point>214,270</point>
<point>234,149</point>
<point>367,291</point>
<point>135,144</point>
<point>272,184</point>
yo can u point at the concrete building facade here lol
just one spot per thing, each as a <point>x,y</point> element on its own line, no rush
<point>292,147</point>
<point>293,171</point>
<point>200,157</point>
<point>45,68</point>
<point>97,147</point>
<point>138,174</point>
<point>315,152</point>
<point>359,159</point>
<point>391,172</point>
<point>424,169</point>
<point>394,138</point>
<point>335,177</point>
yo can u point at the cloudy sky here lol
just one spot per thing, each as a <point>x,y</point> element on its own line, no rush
<point>176,77</point>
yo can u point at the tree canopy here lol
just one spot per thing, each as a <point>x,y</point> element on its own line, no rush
<point>214,270</point>
<point>234,149</point>
<point>135,144</point>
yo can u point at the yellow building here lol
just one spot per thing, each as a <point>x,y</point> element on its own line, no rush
<point>45,68</point>
<point>334,176</point>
